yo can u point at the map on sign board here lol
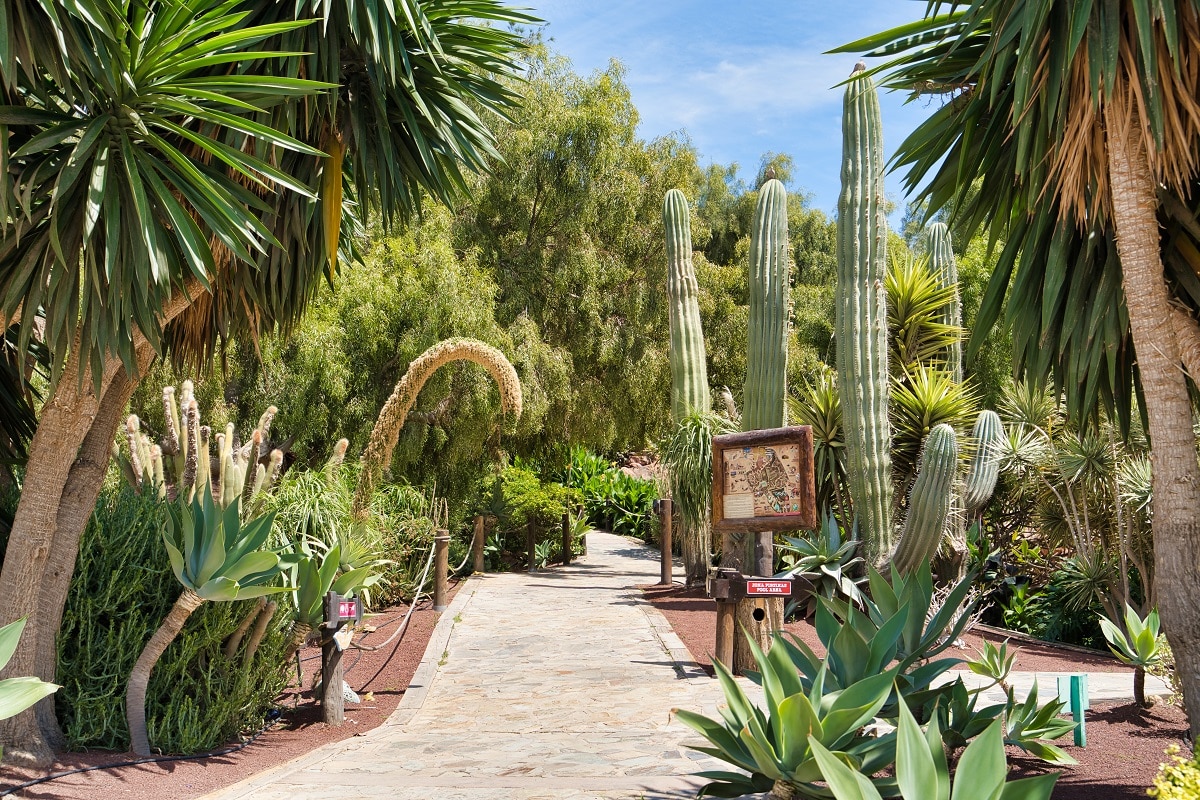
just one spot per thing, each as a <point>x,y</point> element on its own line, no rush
<point>761,481</point>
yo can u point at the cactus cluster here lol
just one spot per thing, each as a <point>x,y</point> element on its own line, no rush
<point>863,378</point>
<point>185,448</point>
<point>689,372</point>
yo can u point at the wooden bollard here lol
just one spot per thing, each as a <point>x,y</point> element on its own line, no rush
<point>477,545</point>
<point>725,626</point>
<point>566,542</point>
<point>333,702</point>
<point>441,566</point>
<point>665,507</point>
<point>531,547</point>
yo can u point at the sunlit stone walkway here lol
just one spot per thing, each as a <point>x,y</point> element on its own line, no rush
<point>558,684</point>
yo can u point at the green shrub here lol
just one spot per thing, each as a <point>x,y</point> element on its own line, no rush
<point>120,593</point>
<point>1179,779</point>
<point>518,500</point>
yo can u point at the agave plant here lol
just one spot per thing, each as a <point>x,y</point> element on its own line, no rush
<point>775,747</point>
<point>1140,645</point>
<point>18,694</point>
<point>826,561</point>
<point>923,773</point>
<point>215,557</point>
<point>313,575</point>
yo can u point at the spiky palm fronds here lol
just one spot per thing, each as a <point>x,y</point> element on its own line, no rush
<point>924,399</point>
<point>819,406</point>
<point>687,455</point>
<point>917,332</point>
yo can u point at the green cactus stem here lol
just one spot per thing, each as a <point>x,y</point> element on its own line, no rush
<point>861,318</point>
<point>985,463</point>
<point>941,262</point>
<point>930,500</point>
<point>689,373</point>
<point>766,356</point>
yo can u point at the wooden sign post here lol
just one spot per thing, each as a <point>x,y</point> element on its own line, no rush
<point>763,481</point>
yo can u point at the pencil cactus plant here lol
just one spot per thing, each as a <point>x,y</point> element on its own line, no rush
<point>862,361</point>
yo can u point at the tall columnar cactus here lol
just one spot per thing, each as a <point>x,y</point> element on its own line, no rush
<point>861,317</point>
<point>766,355</point>
<point>941,262</point>
<point>985,462</point>
<point>689,373</point>
<point>930,500</point>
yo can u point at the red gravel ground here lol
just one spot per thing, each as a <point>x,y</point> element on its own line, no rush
<point>1124,746</point>
<point>384,673</point>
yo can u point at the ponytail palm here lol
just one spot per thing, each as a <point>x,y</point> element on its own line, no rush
<point>215,557</point>
<point>1080,122</point>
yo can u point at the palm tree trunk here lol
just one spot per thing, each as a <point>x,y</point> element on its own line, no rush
<point>1139,687</point>
<point>695,544</point>
<point>1176,472</point>
<point>139,678</point>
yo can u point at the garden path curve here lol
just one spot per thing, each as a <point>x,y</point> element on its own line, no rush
<point>557,684</point>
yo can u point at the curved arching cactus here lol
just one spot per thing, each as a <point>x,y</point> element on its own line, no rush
<point>395,411</point>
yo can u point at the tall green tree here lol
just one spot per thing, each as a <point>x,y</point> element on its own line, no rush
<point>1075,119</point>
<point>175,171</point>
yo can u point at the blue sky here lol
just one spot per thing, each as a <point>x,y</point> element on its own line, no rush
<point>741,78</point>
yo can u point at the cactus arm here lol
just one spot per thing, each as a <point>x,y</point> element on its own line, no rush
<point>985,463</point>
<point>689,371</point>
<point>941,262</point>
<point>930,500</point>
<point>766,356</point>
<point>861,318</point>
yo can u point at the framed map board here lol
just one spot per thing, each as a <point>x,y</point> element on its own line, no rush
<point>763,480</point>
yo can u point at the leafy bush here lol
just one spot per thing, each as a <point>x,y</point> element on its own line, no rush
<point>519,500</point>
<point>611,499</point>
<point>1179,779</point>
<point>120,593</point>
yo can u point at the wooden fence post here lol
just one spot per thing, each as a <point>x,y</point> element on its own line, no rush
<point>441,566</point>
<point>477,544</point>
<point>665,507</point>
<point>531,546</point>
<point>566,539</point>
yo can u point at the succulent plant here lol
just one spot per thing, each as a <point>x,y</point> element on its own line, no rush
<point>766,355</point>
<point>689,372</point>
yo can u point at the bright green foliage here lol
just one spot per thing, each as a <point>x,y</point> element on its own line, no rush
<point>519,501</point>
<point>18,694</point>
<point>1026,725</point>
<point>819,406</point>
<point>215,555</point>
<point>861,319</point>
<point>1139,645</point>
<point>929,501</point>
<point>1179,779</point>
<point>825,561</point>
<point>922,772</point>
<point>312,577</point>
<point>779,744</point>
<point>689,374</point>
<point>687,453</point>
<point>917,331</point>
<point>766,356</point>
<point>993,662</point>
<point>121,590</point>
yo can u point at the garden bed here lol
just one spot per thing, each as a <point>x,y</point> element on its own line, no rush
<point>1124,746</point>
<point>384,673</point>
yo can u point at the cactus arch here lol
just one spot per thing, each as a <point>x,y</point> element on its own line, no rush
<point>395,411</point>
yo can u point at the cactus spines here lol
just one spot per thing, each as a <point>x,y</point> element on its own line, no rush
<point>689,371</point>
<point>930,500</point>
<point>941,262</point>
<point>985,463</point>
<point>861,318</point>
<point>378,452</point>
<point>766,355</point>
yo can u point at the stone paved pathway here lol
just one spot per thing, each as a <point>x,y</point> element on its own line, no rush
<point>555,685</point>
<point>551,686</point>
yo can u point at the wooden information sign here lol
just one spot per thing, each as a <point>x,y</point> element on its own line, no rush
<point>764,481</point>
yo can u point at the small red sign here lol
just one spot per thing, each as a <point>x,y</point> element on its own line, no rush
<point>768,588</point>
<point>348,609</point>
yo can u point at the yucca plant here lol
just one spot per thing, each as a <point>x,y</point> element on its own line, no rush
<point>819,406</point>
<point>923,398</point>
<point>1140,645</point>
<point>923,773</point>
<point>215,557</point>
<point>917,333</point>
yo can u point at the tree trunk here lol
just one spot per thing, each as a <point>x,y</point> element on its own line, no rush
<point>1139,687</point>
<point>695,544</point>
<point>139,678</point>
<point>300,632</point>
<point>59,492</point>
<point>1168,409</point>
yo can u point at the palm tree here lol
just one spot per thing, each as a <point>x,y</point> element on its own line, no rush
<point>1074,118</point>
<point>178,157</point>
